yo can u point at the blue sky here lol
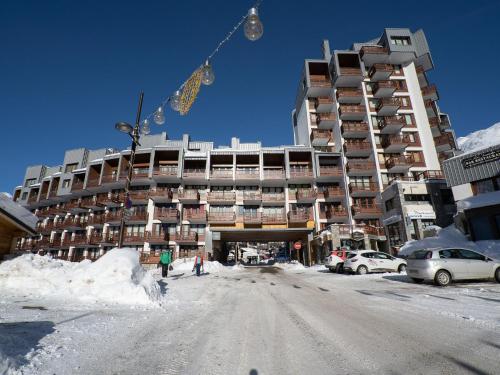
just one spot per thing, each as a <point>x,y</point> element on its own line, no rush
<point>70,69</point>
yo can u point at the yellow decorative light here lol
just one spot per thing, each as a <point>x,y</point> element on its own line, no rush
<point>190,92</point>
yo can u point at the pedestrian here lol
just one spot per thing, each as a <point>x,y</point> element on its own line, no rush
<point>198,264</point>
<point>165,260</point>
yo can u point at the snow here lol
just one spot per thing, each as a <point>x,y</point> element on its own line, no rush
<point>17,211</point>
<point>115,278</point>
<point>186,264</point>
<point>7,194</point>
<point>452,237</point>
<point>480,139</point>
<point>481,200</point>
<point>292,266</point>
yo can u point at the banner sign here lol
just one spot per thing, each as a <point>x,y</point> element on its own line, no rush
<point>483,157</point>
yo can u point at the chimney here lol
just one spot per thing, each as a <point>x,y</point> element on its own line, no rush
<point>326,50</point>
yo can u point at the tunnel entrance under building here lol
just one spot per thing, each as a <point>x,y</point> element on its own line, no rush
<point>258,246</point>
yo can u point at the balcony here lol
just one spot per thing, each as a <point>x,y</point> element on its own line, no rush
<point>370,230</point>
<point>395,143</point>
<point>384,89</point>
<point>353,129</point>
<point>444,142</point>
<point>391,124</point>
<point>193,173</point>
<point>74,224</point>
<point>444,121</point>
<point>299,216</point>
<point>77,185</point>
<point>252,197</point>
<point>110,238</point>
<point>324,104</point>
<point>221,217</point>
<point>33,198</point>
<point>365,189</point>
<point>330,172</point>
<point>185,237</point>
<point>320,137</point>
<point>136,216</point>
<point>221,197</point>
<point>319,85</point>
<point>134,238</point>
<point>334,193</point>
<point>166,215</point>
<point>252,218</point>
<point>113,216</point>
<point>300,172</point>
<point>138,195</point>
<point>349,95</point>
<point>431,108</point>
<point>137,173</point>
<point>247,173</point>
<point>159,237</point>
<point>96,220</point>
<point>221,174</point>
<point>348,76</point>
<point>278,218</point>
<point>188,196</point>
<point>306,195</point>
<point>367,210</point>
<point>336,213</point>
<point>52,194</point>
<point>388,106</point>
<point>108,178</point>
<point>87,202</point>
<point>92,182</point>
<point>273,198</point>
<point>374,54</point>
<point>324,120</point>
<point>165,172</point>
<point>380,72</point>
<point>430,93</point>
<point>399,164</point>
<point>194,216</point>
<point>361,168</point>
<point>79,240</point>
<point>357,148</point>
<point>161,194</point>
<point>95,238</point>
<point>274,174</point>
<point>435,124</point>
<point>352,112</point>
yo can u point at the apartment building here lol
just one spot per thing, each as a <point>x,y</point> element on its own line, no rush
<point>187,196</point>
<point>371,108</point>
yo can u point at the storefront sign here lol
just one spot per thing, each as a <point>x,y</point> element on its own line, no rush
<point>358,235</point>
<point>413,215</point>
<point>481,158</point>
<point>391,220</point>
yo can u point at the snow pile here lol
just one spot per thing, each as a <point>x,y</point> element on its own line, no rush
<point>481,200</point>
<point>292,266</point>
<point>480,139</point>
<point>452,237</point>
<point>186,264</point>
<point>6,364</point>
<point>116,277</point>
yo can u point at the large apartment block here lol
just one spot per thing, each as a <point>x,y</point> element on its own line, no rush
<point>187,196</point>
<point>373,111</point>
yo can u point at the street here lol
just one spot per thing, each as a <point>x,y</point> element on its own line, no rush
<point>270,321</point>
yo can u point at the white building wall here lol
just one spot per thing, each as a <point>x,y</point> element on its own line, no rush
<point>303,127</point>
<point>462,191</point>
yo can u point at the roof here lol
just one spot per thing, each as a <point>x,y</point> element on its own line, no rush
<point>23,218</point>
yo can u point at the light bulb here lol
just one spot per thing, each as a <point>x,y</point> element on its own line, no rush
<point>253,27</point>
<point>175,101</point>
<point>145,127</point>
<point>207,74</point>
<point>159,117</point>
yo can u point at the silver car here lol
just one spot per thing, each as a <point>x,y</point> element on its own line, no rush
<point>445,265</point>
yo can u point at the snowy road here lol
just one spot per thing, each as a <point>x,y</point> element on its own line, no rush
<point>269,321</point>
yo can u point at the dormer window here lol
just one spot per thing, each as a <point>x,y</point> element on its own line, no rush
<point>400,40</point>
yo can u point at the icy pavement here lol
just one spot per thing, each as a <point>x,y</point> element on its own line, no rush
<point>273,321</point>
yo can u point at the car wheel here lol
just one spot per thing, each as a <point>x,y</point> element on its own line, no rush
<point>340,268</point>
<point>417,281</point>
<point>362,270</point>
<point>332,269</point>
<point>497,275</point>
<point>402,268</point>
<point>442,278</point>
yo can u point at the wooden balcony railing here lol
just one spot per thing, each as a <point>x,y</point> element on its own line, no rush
<point>378,50</point>
<point>334,212</point>
<point>252,196</point>
<point>321,134</point>
<point>306,194</point>
<point>139,194</point>
<point>221,196</point>
<point>369,229</point>
<point>135,237</point>
<point>221,173</point>
<point>323,100</point>
<point>330,170</point>
<point>444,139</point>
<point>368,208</point>
<point>349,71</point>
<point>193,173</point>
<point>184,236</point>
<point>351,108</point>
<point>278,218</point>
<point>247,173</point>
<point>221,217</point>
<point>77,185</point>
<point>360,166</point>
<point>357,145</point>
<point>393,121</point>
<point>137,172</point>
<point>403,160</point>
<point>429,91</point>
<point>388,102</point>
<point>188,194</point>
<point>33,198</point>
<point>93,182</point>
<point>273,197</point>
<point>320,81</point>
<point>252,217</point>
<point>106,178</point>
<point>166,213</point>
<point>79,239</point>
<point>165,171</point>
<point>137,216</point>
<point>396,140</point>
<point>114,216</point>
<point>110,238</point>
<point>299,216</point>
<point>355,127</point>
<point>97,219</point>
<point>343,92</point>
<point>334,192</point>
<point>160,236</point>
<point>270,174</point>
<point>159,192</point>
<point>301,172</point>
<point>194,215</point>
<point>356,187</point>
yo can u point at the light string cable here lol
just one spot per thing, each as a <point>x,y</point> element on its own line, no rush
<point>209,58</point>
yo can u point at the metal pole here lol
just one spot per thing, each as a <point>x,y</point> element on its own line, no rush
<point>135,140</point>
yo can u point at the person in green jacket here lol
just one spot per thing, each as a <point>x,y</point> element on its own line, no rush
<point>165,260</point>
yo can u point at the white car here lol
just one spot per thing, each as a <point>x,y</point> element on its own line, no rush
<point>365,261</point>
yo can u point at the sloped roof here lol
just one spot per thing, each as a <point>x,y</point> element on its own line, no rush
<point>17,213</point>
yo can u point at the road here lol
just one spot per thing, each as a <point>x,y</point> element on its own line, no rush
<point>266,321</point>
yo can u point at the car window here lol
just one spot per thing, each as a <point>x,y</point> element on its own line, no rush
<point>351,255</point>
<point>382,256</point>
<point>420,254</point>
<point>368,255</point>
<point>449,254</point>
<point>467,254</point>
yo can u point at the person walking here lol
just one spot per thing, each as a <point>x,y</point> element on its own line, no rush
<point>165,260</point>
<point>198,264</point>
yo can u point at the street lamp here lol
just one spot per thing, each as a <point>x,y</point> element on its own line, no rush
<point>134,134</point>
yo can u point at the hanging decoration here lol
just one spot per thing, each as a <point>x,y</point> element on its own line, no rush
<point>183,98</point>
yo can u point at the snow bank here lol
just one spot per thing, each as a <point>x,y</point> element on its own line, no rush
<point>117,277</point>
<point>450,237</point>
<point>481,200</point>
<point>186,264</point>
<point>292,266</point>
<point>480,139</point>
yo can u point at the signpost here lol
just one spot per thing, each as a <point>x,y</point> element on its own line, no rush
<point>297,245</point>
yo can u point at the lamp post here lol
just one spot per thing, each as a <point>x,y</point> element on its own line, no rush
<point>134,134</point>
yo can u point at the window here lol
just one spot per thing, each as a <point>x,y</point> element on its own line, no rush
<point>383,256</point>
<point>485,186</point>
<point>29,182</point>
<point>405,102</point>
<point>389,205</point>
<point>24,196</point>
<point>417,198</point>
<point>409,119</point>
<point>400,41</point>
<point>66,183</point>
<point>449,254</point>
<point>368,255</point>
<point>467,254</point>
<point>70,167</point>
<point>398,70</point>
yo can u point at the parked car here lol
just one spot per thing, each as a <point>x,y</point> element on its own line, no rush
<point>365,261</point>
<point>335,261</point>
<point>445,265</point>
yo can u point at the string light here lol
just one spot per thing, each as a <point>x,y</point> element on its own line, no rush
<point>181,101</point>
